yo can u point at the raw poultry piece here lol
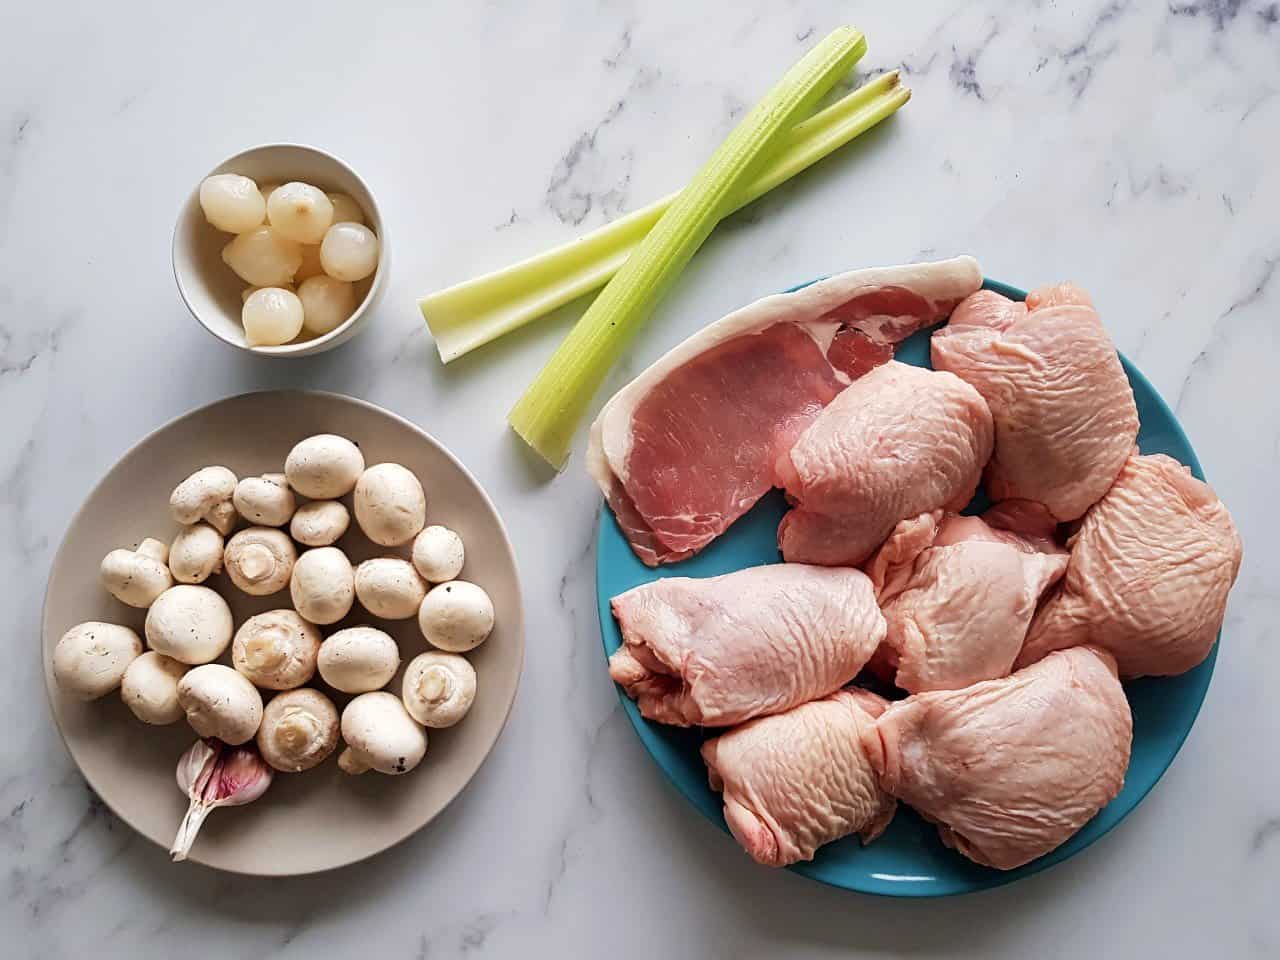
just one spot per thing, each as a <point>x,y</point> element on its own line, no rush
<point>1151,566</point>
<point>717,651</point>
<point>690,445</point>
<point>958,593</point>
<point>800,779</point>
<point>1064,413</point>
<point>900,442</point>
<point>1010,769</point>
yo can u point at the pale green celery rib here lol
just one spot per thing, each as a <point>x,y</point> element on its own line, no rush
<point>470,314</point>
<point>548,414</point>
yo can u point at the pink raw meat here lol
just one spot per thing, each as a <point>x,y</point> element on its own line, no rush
<point>689,446</point>
<point>1064,414</point>
<point>721,650</point>
<point>1151,566</point>
<point>800,779</point>
<point>899,442</point>
<point>1010,769</point>
<point>957,603</point>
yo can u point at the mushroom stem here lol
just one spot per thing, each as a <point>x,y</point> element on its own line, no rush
<point>351,762</point>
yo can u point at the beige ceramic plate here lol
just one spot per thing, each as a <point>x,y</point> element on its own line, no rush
<point>322,818</point>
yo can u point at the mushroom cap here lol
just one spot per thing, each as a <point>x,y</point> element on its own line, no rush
<point>90,659</point>
<point>438,688</point>
<point>220,703</point>
<point>390,588</point>
<point>265,501</point>
<point>381,734</point>
<point>456,616</point>
<point>197,495</point>
<point>320,523</point>
<point>196,553</point>
<point>324,467</point>
<point>276,650</point>
<point>438,554</point>
<point>390,505</point>
<point>189,623</point>
<point>323,585</point>
<point>137,577</point>
<point>358,659</point>
<point>150,688</point>
<point>260,560</point>
<point>299,730</point>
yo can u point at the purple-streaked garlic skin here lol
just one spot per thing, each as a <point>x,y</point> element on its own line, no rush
<point>242,778</point>
<point>213,775</point>
<point>196,766</point>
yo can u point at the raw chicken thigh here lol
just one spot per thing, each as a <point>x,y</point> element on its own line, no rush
<point>899,442</point>
<point>957,597</point>
<point>798,780</point>
<point>721,650</point>
<point>1065,418</point>
<point>1150,569</point>
<point>1010,769</point>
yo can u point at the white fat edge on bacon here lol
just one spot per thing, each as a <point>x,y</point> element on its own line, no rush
<point>609,443</point>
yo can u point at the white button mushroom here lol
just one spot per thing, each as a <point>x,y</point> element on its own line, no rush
<point>206,495</point>
<point>390,505</point>
<point>456,616</point>
<point>299,730</point>
<point>189,623</point>
<point>276,650</point>
<point>358,660</point>
<point>91,658</point>
<point>438,688</point>
<point>260,560</point>
<point>380,735</point>
<point>220,703</point>
<point>265,501</point>
<point>324,467</point>
<point>319,523</point>
<point>196,553</point>
<point>150,688</point>
<point>137,577</point>
<point>438,554</point>
<point>323,585</point>
<point>390,588</point>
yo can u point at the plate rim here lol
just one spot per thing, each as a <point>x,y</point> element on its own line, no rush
<point>77,516</point>
<point>997,878</point>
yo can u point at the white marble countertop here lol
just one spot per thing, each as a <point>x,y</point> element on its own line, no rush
<point>1123,144</point>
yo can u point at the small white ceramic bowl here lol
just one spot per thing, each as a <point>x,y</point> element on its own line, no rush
<point>212,291</point>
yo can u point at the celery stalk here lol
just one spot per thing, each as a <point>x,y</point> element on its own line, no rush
<point>470,314</point>
<point>548,414</point>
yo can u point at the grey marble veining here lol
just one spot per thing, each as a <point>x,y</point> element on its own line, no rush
<point>1128,145</point>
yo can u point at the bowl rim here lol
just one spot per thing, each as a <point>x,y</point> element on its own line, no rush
<point>508,548</point>
<point>316,344</point>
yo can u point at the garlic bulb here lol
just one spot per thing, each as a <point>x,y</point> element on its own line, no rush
<point>215,775</point>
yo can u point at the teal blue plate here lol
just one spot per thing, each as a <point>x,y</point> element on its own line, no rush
<point>908,860</point>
